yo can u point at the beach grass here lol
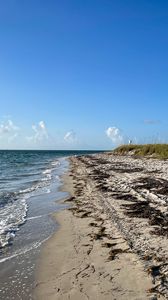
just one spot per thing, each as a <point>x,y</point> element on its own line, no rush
<point>148,150</point>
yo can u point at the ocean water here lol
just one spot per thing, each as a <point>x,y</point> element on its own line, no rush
<point>29,194</point>
<point>24,174</point>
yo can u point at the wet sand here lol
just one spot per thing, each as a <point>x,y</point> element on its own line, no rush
<point>112,242</point>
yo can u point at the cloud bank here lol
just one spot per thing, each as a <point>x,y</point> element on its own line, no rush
<point>115,135</point>
<point>70,137</point>
<point>8,130</point>
<point>40,133</point>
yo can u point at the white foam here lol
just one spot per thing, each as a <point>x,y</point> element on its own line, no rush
<point>36,217</point>
<point>12,216</point>
<point>55,163</point>
<point>48,171</point>
<point>23,251</point>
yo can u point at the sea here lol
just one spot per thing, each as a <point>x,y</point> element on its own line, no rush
<point>30,193</point>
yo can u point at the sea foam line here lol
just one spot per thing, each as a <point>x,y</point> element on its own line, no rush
<point>34,246</point>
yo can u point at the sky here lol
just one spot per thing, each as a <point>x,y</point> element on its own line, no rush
<point>80,74</point>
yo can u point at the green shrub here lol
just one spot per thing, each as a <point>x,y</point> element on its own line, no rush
<point>154,150</point>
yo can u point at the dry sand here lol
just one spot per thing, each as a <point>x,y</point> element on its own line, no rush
<point>104,248</point>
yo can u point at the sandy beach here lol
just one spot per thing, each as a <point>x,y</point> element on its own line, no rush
<point>112,240</point>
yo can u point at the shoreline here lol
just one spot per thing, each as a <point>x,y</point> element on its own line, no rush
<point>82,259</point>
<point>18,260</point>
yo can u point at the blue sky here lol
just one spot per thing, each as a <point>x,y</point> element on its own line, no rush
<point>83,74</point>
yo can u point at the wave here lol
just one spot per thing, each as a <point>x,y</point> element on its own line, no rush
<point>12,216</point>
<point>13,204</point>
<point>55,163</point>
<point>24,250</point>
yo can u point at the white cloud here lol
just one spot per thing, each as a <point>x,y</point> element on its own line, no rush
<point>8,130</point>
<point>115,135</point>
<point>7,127</point>
<point>40,133</point>
<point>70,137</point>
